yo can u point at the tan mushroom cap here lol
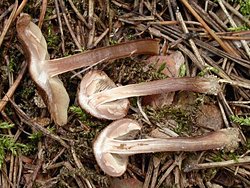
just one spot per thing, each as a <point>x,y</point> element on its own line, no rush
<point>51,89</point>
<point>113,164</point>
<point>96,81</point>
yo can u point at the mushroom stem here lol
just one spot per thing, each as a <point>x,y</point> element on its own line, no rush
<point>44,71</point>
<point>215,140</point>
<point>201,85</point>
<point>99,95</point>
<point>84,59</point>
<point>113,145</point>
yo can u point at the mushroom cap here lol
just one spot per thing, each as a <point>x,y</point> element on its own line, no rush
<point>51,89</point>
<point>113,164</point>
<point>96,81</point>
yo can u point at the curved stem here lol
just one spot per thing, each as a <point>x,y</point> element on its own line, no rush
<point>222,139</point>
<point>201,85</point>
<point>62,65</point>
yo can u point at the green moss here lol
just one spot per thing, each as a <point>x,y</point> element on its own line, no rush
<point>52,38</point>
<point>84,117</point>
<point>161,68</point>
<point>217,157</point>
<point>244,6</point>
<point>248,144</point>
<point>36,136</point>
<point>27,92</point>
<point>11,65</point>
<point>208,69</point>
<point>112,41</point>
<point>130,71</point>
<point>182,70</point>
<point>8,144</point>
<point>241,120</point>
<point>5,125</point>
<point>239,28</point>
<point>181,117</point>
<point>222,156</point>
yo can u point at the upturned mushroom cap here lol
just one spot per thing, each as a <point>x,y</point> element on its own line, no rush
<point>113,164</point>
<point>99,95</point>
<point>96,81</point>
<point>116,142</point>
<point>51,89</point>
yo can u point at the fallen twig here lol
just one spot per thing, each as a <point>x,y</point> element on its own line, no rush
<point>8,23</point>
<point>36,126</point>
<point>239,161</point>
<point>42,13</point>
<point>11,91</point>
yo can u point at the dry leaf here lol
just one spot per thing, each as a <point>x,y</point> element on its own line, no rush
<point>171,65</point>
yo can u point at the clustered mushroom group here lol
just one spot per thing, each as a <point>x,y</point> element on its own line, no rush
<point>102,98</point>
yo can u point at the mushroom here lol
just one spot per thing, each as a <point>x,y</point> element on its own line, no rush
<point>112,146</point>
<point>44,71</point>
<point>99,95</point>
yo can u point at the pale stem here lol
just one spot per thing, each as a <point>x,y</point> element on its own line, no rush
<point>84,59</point>
<point>222,139</point>
<point>201,85</point>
